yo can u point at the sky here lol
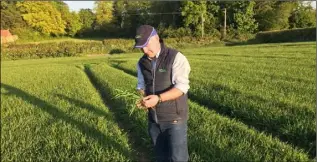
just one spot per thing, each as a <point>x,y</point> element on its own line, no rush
<point>314,4</point>
<point>77,5</point>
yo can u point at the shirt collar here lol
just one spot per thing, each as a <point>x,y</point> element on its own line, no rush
<point>157,55</point>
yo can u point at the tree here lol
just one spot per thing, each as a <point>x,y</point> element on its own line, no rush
<point>282,14</point>
<point>303,17</point>
<point>264,13</point>
<point>172,19</point>
<point>42,16</point>
<point>244,19</point>
<point>87,18</point>
<point>140,13</point>
<point>73,24</point>
<point>212,20</point>
<point>274,15</point>
<point>120,12</point>
<point>104,13</point>
<point>10,16</point>
<point>193,13</point>
<point>129,15</point>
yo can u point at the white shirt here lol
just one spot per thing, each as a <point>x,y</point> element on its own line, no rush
<point>180,73</point>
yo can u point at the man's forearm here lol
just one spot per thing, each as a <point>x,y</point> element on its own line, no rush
<point>171,94</point>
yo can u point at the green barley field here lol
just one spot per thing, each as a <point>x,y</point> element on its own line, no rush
<point>247,103</point>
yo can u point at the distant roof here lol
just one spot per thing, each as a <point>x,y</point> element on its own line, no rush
<point>5,33</point>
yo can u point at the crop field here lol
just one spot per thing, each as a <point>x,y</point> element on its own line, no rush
<point>246,103</point>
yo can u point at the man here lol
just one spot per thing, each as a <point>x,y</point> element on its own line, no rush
<point>163,79</point>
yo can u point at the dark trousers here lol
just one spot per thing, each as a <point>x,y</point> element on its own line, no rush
<point>169,141</point>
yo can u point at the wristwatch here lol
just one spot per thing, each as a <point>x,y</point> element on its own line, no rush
<point>160,99</point>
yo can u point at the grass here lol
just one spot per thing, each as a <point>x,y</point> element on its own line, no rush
<point>211,137</point>
<point>46,116</point>
<point>247,103</point>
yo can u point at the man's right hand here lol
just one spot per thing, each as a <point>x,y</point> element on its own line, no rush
<point>141,92</point>
<point>140,105</point>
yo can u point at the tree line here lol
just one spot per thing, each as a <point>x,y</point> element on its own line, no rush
<point>120,18</point>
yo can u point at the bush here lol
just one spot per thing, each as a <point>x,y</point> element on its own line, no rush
<point>28,34</point>
<point>293,35</point>
<point>175,33</point>
<point>107,46</point>
<point>126,45</point>
<point>189,42</point>
<point>233,34</point>
<point>42,50</point>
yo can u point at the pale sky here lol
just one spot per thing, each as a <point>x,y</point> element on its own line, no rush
<point>313,3</point>
<point>77,5</point>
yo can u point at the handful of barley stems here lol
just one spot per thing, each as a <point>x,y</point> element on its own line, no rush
<point>133,100</point>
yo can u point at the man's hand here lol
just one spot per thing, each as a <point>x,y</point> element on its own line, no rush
<point>150,101</point>
<point>141,92</point>
<point>140,104</point>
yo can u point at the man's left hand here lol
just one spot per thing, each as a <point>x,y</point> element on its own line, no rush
<point>150,101</point>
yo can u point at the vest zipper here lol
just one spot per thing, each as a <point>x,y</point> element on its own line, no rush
<point>153,82</point>
<point>153,77</point>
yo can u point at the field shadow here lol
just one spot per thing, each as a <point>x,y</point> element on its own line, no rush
<point>116,51</point>
<point>242,56</point>
<point>91,132</point>
<point>259,42</point>
<point>226,153</point>
<point>116,64</point>
<point>144,153</point>
<point>84,105</point>
<point>302,139</point>
<point>237,43</point>
<point>91,38</point>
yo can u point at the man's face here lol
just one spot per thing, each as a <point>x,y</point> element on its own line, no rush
<point>152,48</point>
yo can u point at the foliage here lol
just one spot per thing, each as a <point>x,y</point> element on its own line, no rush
<point>42,16</point>
<point>292,35</point>
<point>244,18</point>
<point>11,16</point>
<point>303,17</point>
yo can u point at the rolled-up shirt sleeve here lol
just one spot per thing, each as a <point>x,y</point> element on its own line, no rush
<point>140,84</point>
<point>180,73</point>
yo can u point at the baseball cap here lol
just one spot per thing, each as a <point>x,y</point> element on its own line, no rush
<point>143,35</point>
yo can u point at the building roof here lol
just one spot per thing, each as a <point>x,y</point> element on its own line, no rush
<point>5,33</point>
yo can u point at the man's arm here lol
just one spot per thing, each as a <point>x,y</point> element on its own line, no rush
<point>171,94</point>
<point>140,85</point>
<point>180,72</point>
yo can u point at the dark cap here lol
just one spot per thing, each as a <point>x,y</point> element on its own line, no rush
<point>143,35</point>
